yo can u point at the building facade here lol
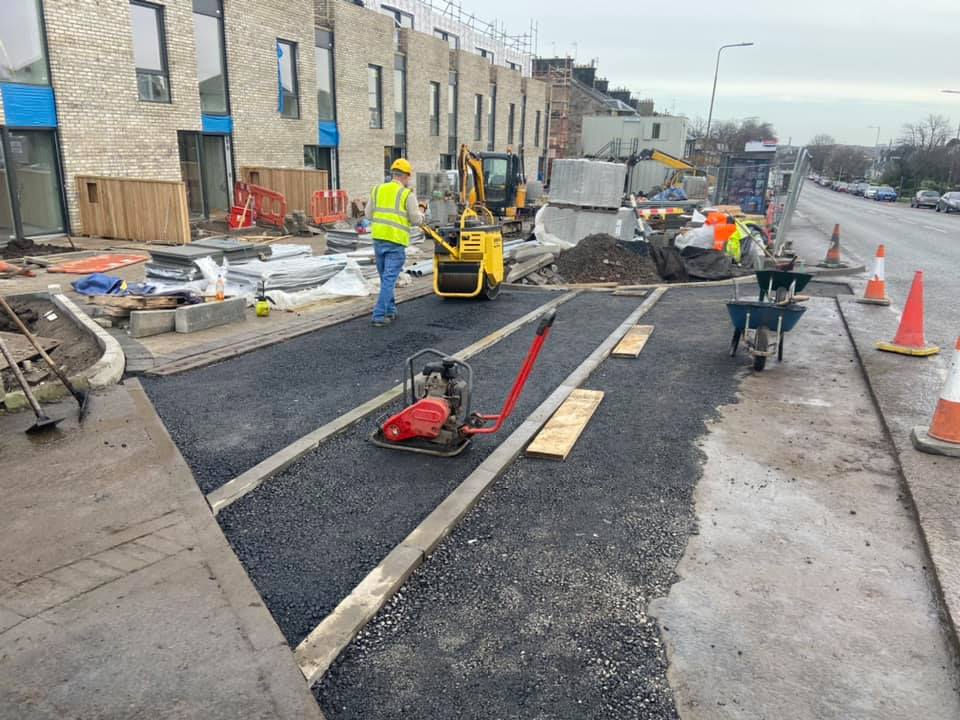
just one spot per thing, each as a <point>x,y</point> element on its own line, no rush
<point>195,90</point>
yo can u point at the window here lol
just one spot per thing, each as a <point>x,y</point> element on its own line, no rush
<point>289,90</point>
<point>492,117</point>
<point>446,162</point>
<point>23,58</point>
<point>211,58</point>
<point>375,95</point>
<point>399,101</point>
<point>511,116</point>
<point>326,109</point>
<point>402,19</point>
<point>523,122</point>
<point>150,52</point>
<point>435,109</point>
<point>478,117</point>
<point>513,66</point>
<point>450,39</point>
<point>655,132</point>
<point>452,114</point>
<point>318,158</point>
<point>536,130</point>
<point>486,54</point>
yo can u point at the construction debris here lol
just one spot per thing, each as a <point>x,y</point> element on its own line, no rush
<point>602,258</point>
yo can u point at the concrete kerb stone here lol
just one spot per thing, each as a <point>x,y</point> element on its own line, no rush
<point>144,323</point>
<point>193,318</point>
<point>250,480</point>
<point>324,644</point>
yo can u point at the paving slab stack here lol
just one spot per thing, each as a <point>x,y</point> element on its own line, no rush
<point>585,199</point>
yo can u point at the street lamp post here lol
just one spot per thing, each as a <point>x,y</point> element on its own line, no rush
<point>954,92</point>
<point>876,150</point>
<point>716,72</point>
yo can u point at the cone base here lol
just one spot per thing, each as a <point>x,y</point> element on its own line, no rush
<point>872,301</point>
<point>925,351</point>
<point>924,443</point>
<point>832,265</point>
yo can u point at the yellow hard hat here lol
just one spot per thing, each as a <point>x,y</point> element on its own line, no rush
<point>401,165</point>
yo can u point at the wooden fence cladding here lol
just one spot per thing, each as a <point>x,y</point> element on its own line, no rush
<point>150,211</point>
<point>297,185</point>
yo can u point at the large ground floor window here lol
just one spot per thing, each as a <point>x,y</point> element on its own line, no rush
<point>31,184</point>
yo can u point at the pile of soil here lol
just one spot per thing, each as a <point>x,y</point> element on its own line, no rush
<point>77,349</point>
<point>22,248</point>
<point>601,258</point>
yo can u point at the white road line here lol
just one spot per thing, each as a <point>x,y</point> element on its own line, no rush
<point>936,229</point>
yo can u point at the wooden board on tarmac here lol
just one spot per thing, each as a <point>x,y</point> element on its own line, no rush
<point>633,341</point>
<point>559,435</point>
<point>21,349</point>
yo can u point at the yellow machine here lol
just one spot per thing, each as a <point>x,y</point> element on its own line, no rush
<point>681,168</point>
<point>468,255</point>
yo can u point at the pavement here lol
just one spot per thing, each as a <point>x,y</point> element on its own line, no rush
<point>905,389</point>
<point>119,596</point>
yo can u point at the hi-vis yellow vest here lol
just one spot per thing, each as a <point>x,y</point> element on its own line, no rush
<point>390,220</point>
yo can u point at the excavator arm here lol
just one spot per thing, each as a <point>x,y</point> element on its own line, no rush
<point>470,164</point>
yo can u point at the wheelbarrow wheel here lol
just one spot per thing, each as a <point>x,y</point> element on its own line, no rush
<point>760,344</point>
<point>735,343</point>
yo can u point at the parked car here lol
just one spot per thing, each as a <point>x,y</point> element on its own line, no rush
<point>870,192</point>
<point>858,188</point>
<point>885,193</point>
<point>950,202</point>
<point>925,198</point>
<point>843,187</point>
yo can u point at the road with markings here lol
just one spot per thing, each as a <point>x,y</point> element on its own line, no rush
<point>915,239</point>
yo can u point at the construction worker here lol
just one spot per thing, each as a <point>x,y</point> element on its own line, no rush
<point>393,211</point>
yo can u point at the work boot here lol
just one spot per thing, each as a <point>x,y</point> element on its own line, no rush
<point>381,323</point>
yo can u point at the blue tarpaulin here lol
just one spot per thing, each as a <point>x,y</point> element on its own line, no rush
<point>674,194</point>
<point>329,135</point>
<point>28,105</point>
<point>98,284</point>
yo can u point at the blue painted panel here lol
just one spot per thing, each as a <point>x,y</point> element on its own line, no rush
<point>329,134</point>
<point>219,124</point>
<point>29,105</point>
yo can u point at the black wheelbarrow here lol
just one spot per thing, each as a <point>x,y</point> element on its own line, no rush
<point>761,326</point>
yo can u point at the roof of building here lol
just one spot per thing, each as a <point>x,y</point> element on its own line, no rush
<point>618,106</point>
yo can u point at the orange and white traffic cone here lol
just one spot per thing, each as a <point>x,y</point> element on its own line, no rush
<point>832,260</point>
<point>909,339</point>
<point>876,293</point>
<point>943,435</point>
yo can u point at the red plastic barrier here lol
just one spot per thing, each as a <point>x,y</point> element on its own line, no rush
<point>270,207</point>
<point>328,206</point>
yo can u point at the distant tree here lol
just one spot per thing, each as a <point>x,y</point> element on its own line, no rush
<point>822,139</point>
<point>697,128</point>
<point>733,135</point>
<point>930,133</point>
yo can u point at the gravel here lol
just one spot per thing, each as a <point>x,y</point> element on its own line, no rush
<point>535,606</point>
<point>310,535</point>
<point>225,418</point>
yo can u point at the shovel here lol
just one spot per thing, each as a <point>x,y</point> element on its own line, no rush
<point>43,422</point>
<point>81,396</point>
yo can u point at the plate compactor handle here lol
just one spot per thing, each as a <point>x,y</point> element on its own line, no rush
<point>478,423</point>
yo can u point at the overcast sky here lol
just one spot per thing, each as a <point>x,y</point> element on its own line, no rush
<point>833,66</point>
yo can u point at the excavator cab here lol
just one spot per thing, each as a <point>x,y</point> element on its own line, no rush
<point>505,184</point>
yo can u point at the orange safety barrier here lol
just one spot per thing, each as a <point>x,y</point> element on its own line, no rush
<point>270,207</point>
<point>328,206</point>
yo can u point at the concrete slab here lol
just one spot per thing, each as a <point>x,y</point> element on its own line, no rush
<point>171,627</point>
<point>203,316</point>
<point>805,593</point>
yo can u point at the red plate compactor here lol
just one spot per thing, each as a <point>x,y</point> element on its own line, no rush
<point>437,419</point>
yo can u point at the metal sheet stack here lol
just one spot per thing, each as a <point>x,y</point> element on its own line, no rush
<point>289,274</point>
<point>177,263</point>
<point>234,250</point>
<point>344,239</point>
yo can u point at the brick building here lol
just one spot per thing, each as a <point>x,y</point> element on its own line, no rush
<point>194,90</point>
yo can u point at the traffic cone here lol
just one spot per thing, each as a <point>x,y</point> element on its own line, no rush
<point>909,339</point>
<point>832,260</point>
<point>876,293</point>
<point>943,435</point>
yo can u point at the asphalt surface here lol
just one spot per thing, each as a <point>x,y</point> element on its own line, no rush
<point>310,535</point>
<point>225,418</point>
<point>535,606</point>
<point>915,239</point>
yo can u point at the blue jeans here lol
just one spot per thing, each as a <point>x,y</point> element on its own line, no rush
<point>390,259</point>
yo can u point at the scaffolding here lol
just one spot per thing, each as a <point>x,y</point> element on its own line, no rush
<point>523,43</point>
<point>560,79</point>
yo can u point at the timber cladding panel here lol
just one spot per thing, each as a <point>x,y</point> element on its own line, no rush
<point>151,211</point>
<point>298,186</point>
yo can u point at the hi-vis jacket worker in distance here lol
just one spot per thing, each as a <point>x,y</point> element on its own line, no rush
<point>393,210</point>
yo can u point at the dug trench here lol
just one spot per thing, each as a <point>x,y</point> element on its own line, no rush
<point>227,417</point>
<point>536,605</point>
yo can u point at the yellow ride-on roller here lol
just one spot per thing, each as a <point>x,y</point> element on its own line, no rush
<point>468,256</point>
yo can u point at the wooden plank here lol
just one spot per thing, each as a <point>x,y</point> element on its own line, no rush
<point>136,302</point>
<point>21,349</point>
<point>297,185</point>
<point>559,435</point>
<point>633,341</point>
<point>153,211</point>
